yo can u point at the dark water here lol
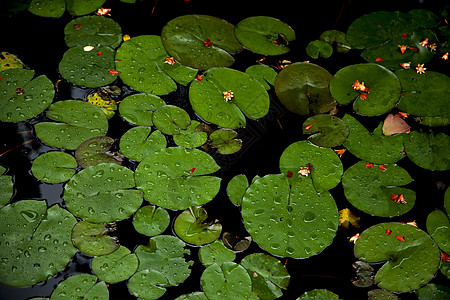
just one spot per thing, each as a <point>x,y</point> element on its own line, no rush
<point>39,43</point>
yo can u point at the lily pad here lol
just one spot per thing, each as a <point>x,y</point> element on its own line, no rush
<point>192,137</point>
<point>171,119</point>
<point>142,64</point>
<point>324,165</point>
<point>147,285</point>
<point>264,35</point>
<point>226,281</point>
<point>433,291</point>
<point>139,142</point>
<point>438,226</point>
<point>429,151</point>
<point>318,48</point>
<point>78,121</point>
<point>54,167</point>
<point>236,188</point>
<point>95,151</point>
<point>384,88</point>
<point>373,146</point>
<point>151,220</point>
<point>23,97</point>
<point>327,131</point>
<point>93,30</point>
<point>91,68</point>
<point>102,194</point>
<point>235,242</point>
<point>264,74</point>
<point>289,221</point>
<point>115,267</point>
<point>138,109</point>
<point>447,201</point>
<point>394,125</point>
<point>408,251</point>
<point>193,296</point>
<point>318,294</point>
<point>190,226</point>
<point>201,41</point>
<point>303,89</point>
<point>177,177</point>
<point>225,96</point>
<point>370,189</point>
<point>224,140</point>
<point>336,38</point>
<point>215,252</point>
<point>34,241</point>
<point>6,187</point>
<point>269,276</point>
<point>93,239</point>
<point>56,8</point>
<point>424,95</point>
<point>82,286</point>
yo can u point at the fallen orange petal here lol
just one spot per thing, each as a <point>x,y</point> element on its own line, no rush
<point>308,126</point>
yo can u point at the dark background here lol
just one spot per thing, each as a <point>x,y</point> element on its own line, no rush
<point>39,43</point>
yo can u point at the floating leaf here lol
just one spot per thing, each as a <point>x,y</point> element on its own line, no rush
<point>429,151</point>
<point>193,296</point>
<point>82,286</point>
<point>151,220</point>
<point>235,242</point>
<point>191,227</point>
<point>9,61</point>
<point>48,8</point>
<point>249,97</point>
<point>336,38</point>
<point>384,88</point>
<point>318,48</point>
<point>115,267</point>
<point>34,241</point>
<point>438,226</point>
<point>215,252</point>
<point>102,194</point>
<point>78,121</point>
<point>264,74</point>
<point>201,41</point>
<point>365,274</point>
<point>226,281</point>
<point>394,125</point>
<point>54,167</point>
<point>269,276</point>
<point>271,209</point>
<point>147,285</point>
<point>264,35</point>
<point>224,140</point>
<point>236,188</point>
<point>6,187</point>
<point>108,106</point>
<point>141,63</point>
<point>326,167</point>
<point>139,142</point>
<point>416,258</point>
<point>303,89</point>
<point>171,119</point>
<point>23,97</point>
<point>433,291</point>
<point>138,108</point>
<point>328,131</point>
<point>318,294</point>
<point>379,294</point>
<point>372,146</point>
<point>370,189</point>
<point>192,137</point>
<point>447,201</point>
<point>93,239</point>
<point>95,151</point>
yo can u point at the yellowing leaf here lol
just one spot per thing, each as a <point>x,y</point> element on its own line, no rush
<point>346,217</point>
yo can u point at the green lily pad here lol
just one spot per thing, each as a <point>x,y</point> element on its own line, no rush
<point>78,121</point>
<point>318,48</point>
<point>325,166</point>
<point>9,61</point>
<point>225,142</point>
<point>102,194</point>
<point>165,254</point>
<point>95,151</point>
<point>264,35</point>
<point>236,188</point>
<point>408,251</point>
<point>424,95</point>
<point>303,89</point>
<point>318,294</point>
<point>56,8</point>
<point>151,220</point>
<point>447,201</point>
<point>147,285</point>
<point>379,294</point>
<point>82,286</point>
<point>171,119</point>
<point>141,62</point>
<point>34,241</point>
<point>91,68</point>
<point>23,97</point>
<point>190,226</point>
<point>384,88</point>
<point>138,109</point>
<point>438,226</point>
<point>54,167</point>
<point>289,221</point>
<point>201,41</point>
<point>370,189</point>
<point>93,30</point>
<point>177,177</point>
<point>336,38</point>
<point>115,267</point>
<point>215,252</point>
<point>433,291</point>
<point>373,146</point>
<point>327,131</point>
<point>192,137</point>
<point>93,239</point>
<point>249,98</point>
<point>429,151</point>
<point>193,296</point>
<point>139,142</point>
<point>269,276</point>
<point>264,74</point>
<point>235,242</point>
<point>6,187</point>
<point>226,281</point>
<point>439,121</point>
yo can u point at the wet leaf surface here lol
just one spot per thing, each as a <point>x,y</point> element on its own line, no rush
<point>139,142</point>
<point>151,220</point>
<point>115,267</point>
<point>138,109</point>
<point>81,286</point>
<point>428,150</point>
<point>93,239</point>
<point>215,252</point>
<point>327,131</point>
<point>95,151</point>
<point>54,167</point>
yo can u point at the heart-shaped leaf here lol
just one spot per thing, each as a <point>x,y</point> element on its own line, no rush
<point>151,220</point>
<point>95,151</point>
<point>438,226</point>
<point>327,131</point>
<point>215,252</point>
<point>139,142</point>
<point>81,286</point>
<point>429,151</point>
<point>171,119</point>
<point>54,167</point>
<point>115,267</point>
<point>138,108</point>
<point>93,239</point>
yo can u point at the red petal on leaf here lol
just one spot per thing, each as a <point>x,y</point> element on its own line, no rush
<point>404,35</point>
<point>388,231</point>
<point>369,165</point>
<point>199,78</point>
<point>394,197</point>
<point>207,42</point>
<point>445,257</point>
<point>20,91</point>
<point>99,53</point>
<point>308,126</point>
<point>379,59</point>
<point>275,42</point>
<point>382,167</point>
<point>77,26</point>
<point>192,170</point>
<point>400,238</point>
<point>415,49</point>
<point>113,72</point>
<point>289,174</point>
<point>363,96</point>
